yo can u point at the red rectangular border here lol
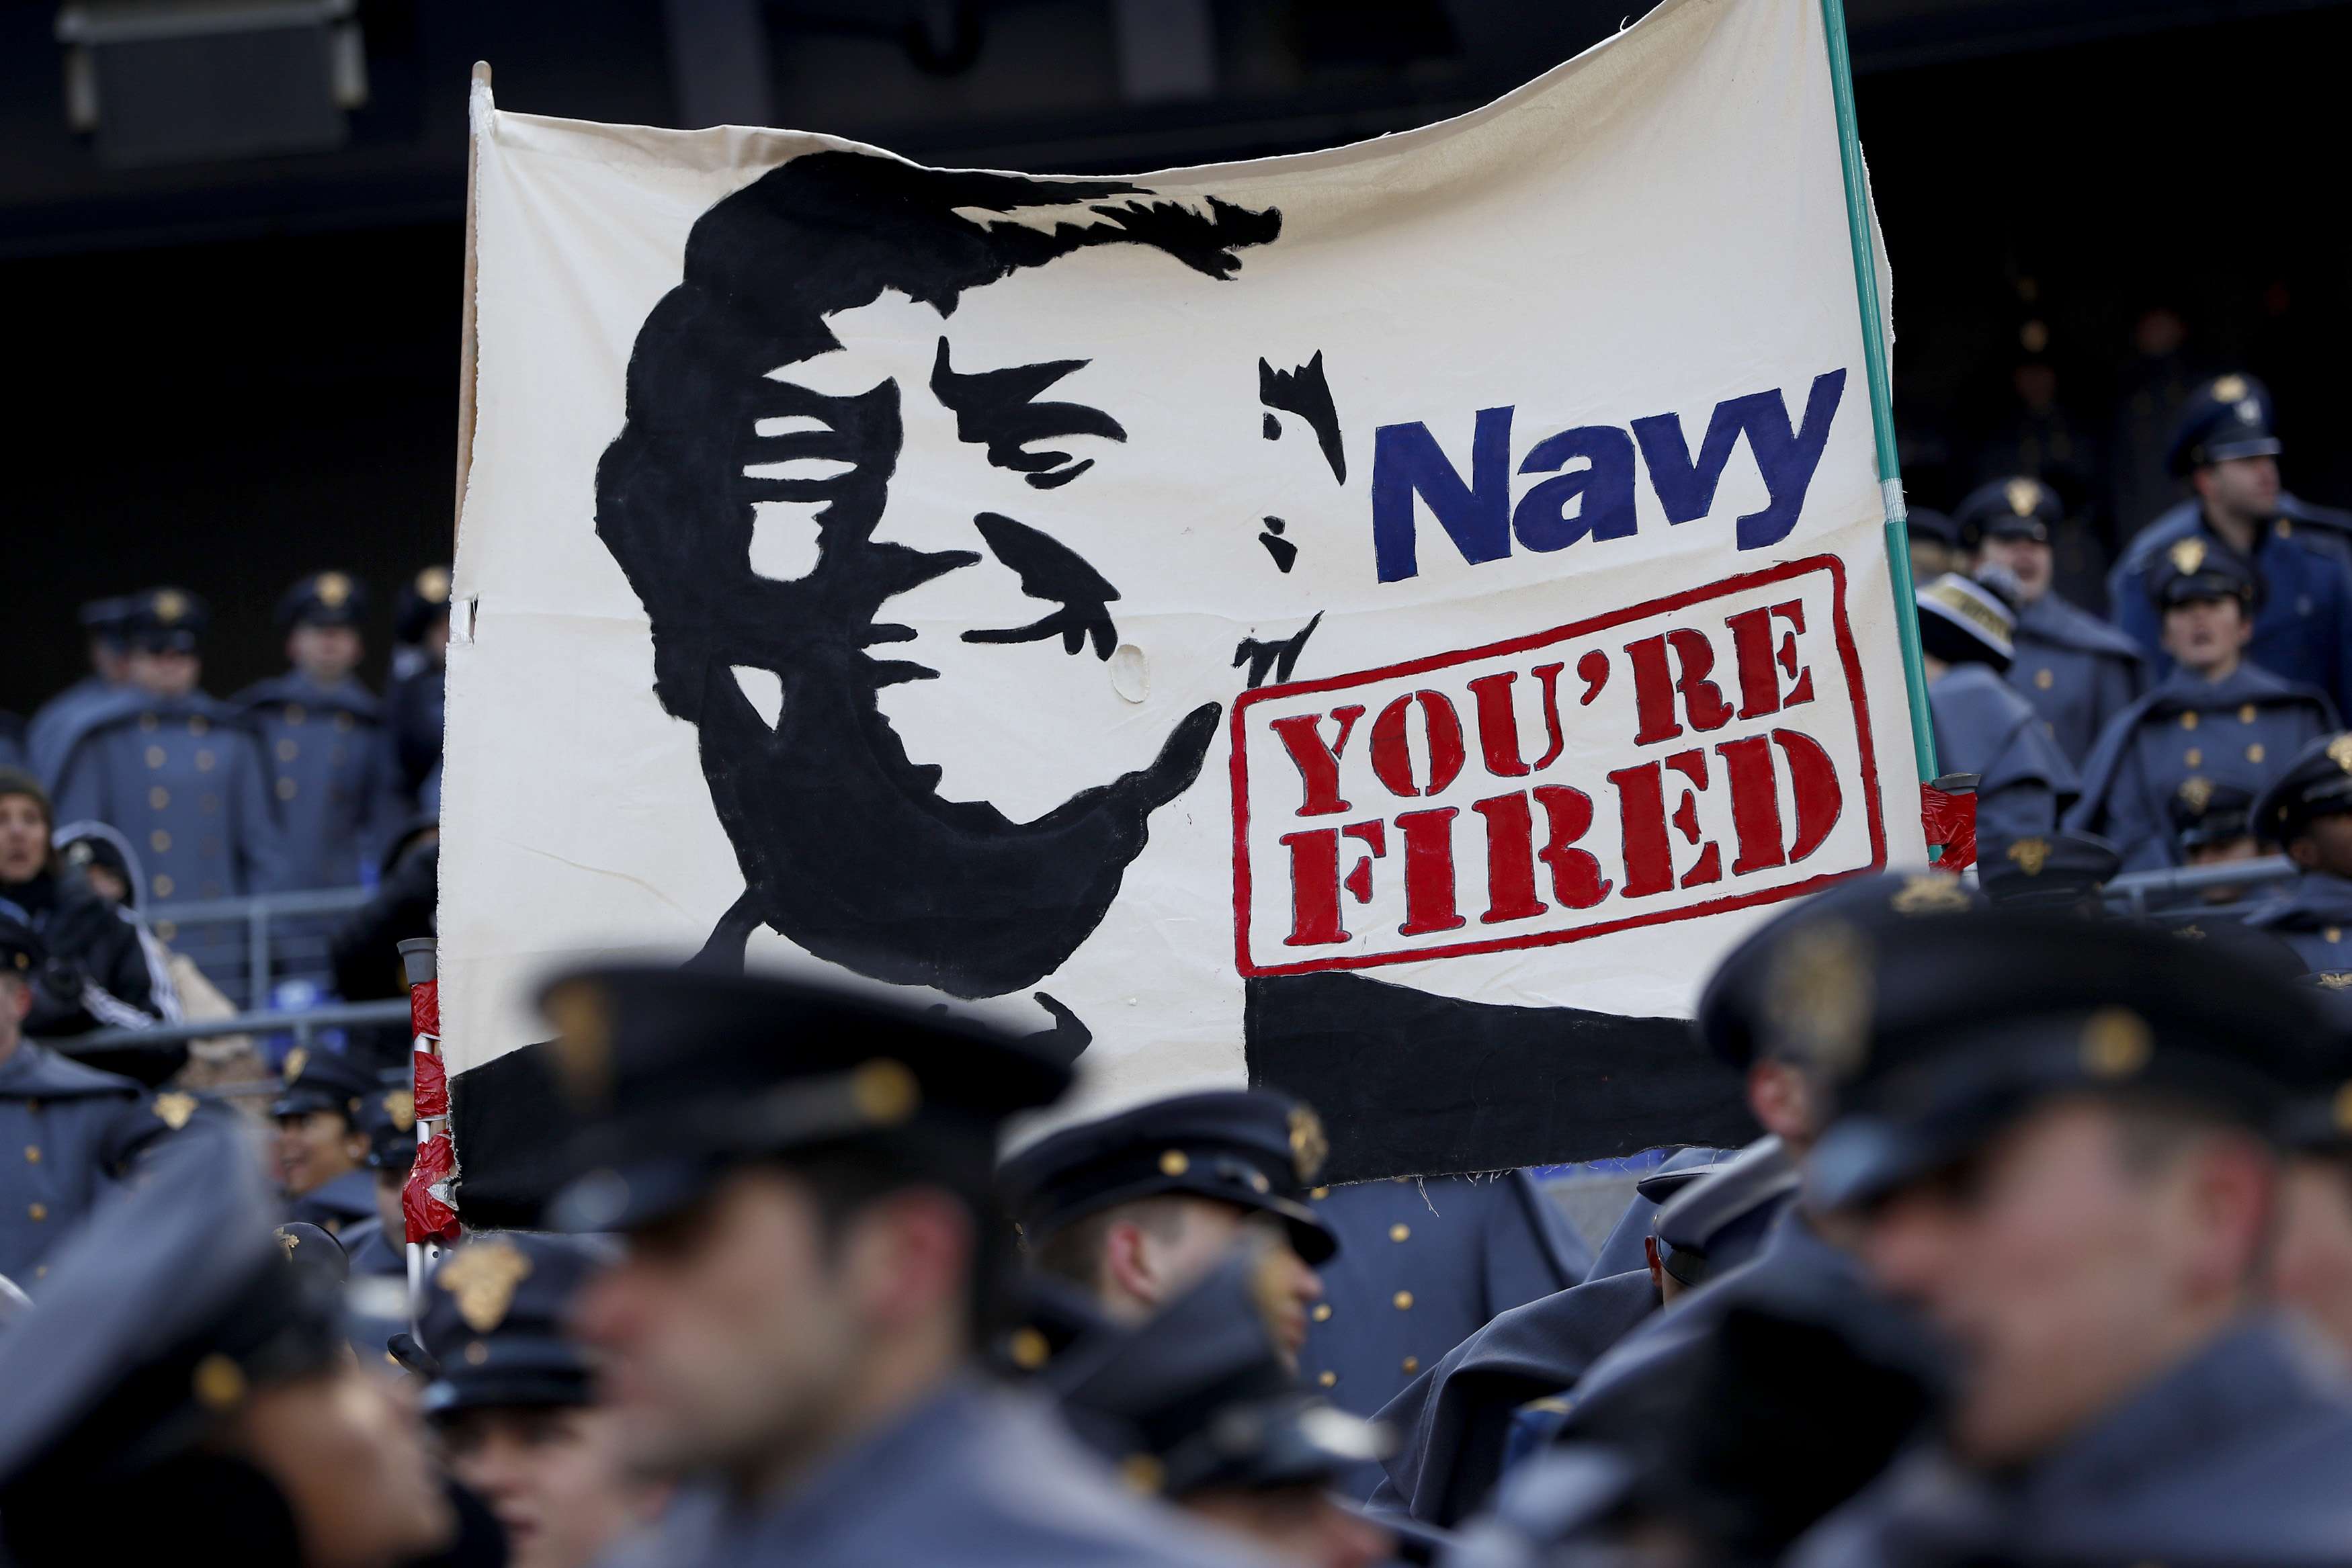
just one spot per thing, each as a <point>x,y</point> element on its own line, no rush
<point>1847,656</point>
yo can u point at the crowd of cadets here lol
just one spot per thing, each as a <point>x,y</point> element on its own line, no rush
<point>304,781</point>
<point>2043,1255</point>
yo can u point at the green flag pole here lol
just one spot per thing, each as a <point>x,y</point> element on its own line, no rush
<point>1882,400</point>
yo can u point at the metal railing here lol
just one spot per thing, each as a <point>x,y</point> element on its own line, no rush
<point>260,951</point>
<point>2178,891</point>
<point>304,1025</point>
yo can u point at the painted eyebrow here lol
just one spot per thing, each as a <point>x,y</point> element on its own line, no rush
<point>998,408</point>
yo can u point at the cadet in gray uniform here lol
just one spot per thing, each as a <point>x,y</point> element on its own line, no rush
<point>321,1151</point>
<point>174,769</point>
<point>322,737</point>
<point>815,1256</point>
<point>2215,718</point>
<point>1202,1406</point>
<point>104,622</point>
<point>513,1399</point>
<point>2075,670</point>
<point>69,1132</point>
<point>2227,446</point>
<point>179,1390</point>
<point>2024,783</point>
<point>2054,1142</point>
<point>2308,814</point>
<point>378,1244</point>
<point>1137,1208</point>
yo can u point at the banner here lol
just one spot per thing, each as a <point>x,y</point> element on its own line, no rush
<point>1380,622</point>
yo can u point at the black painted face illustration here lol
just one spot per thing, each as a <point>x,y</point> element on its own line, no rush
<point>869,533</point>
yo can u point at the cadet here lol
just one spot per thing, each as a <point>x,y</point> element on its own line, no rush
<point>513,1400</point>
<point>1603,1341</point>
<point>378,1244</point>
<point>322,736</point>
<point>2023,783</point>
<point>2076,671</point>
<point>413,702</point>
<point>2064,873</point>
<point>70,1131</point>
<point>103,969</point>
<point>178,1389</point>
<point>2053,1142</point>
<point>2226,446</point>
<point>1136,1209</point>
<point>2308,814</point>
<point>804,1181</point>
<point>320,1149</point>
<point>173,769</point>
<point>104,623</point>
<point>1201,1406</point>
<point>2215,716</point>
<point>2214,823</point>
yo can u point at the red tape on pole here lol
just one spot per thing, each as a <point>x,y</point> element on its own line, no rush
<point>429,1218</point>
<point>1950,820</point>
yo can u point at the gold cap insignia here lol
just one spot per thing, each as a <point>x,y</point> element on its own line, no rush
<point>401,1106</point>
<point>1028,1349</point>
<point>1308,1146</point>
<point>169,605</point>
<point>296,1061</point>
<point>289,1240</point>
<point>2030,855</point>
<point>219,1382</point>
<point>2339,752</point>
<point>885,1091</point>
<point>174,1109</point>
<point>333,588</point>
<point>483,1276</point>
<point>1819,997</point>
<point>2196,792</point>
<point>1142,1473</point>
<point>2115,1043</point>
<point>1929,892</point>
<point>2190,933</point>
<point>1174,1163</point>
<point>2187,555</point>
<point>2024,495</point>
<point>432,585</point>
<point>2335,979</point>
<point>583,1016</point>
<point>2229,389</point>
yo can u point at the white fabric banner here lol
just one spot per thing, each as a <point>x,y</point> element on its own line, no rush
<point>1443,572</point>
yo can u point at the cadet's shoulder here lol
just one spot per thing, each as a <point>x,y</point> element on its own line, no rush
<point>1972,693</point>
<point>36,1072</point>
<point>2056,620</point>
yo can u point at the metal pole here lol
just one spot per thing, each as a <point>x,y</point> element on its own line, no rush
<point>257,957</point>
<point>1882,398</point>
<point>420,969</point>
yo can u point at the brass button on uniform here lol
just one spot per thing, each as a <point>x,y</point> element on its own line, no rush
<point>157,798</point>
<point>32,1153</point>
<point>288,751</point>
<point>1410,1363</point>
<point>1322,1312</point>
<point>40,1211</point>
<point>2194,757</point>
<point>2334,934</point>
<point>164,885</point>
<point>2044,680</point>
<point>2188,720</point>
<point>154,756</point>
<point>1327,1379</point>
<point>2246,714</point>
<point>2255,753</point>
<point>1399,1231</point>
<point>160,841</point>
<point>1318,1193</point>
<point>1403,1300</point>
<point>285,788</point>
<point>204,761</point>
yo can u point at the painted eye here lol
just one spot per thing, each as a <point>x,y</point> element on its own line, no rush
<point>784,538</point>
